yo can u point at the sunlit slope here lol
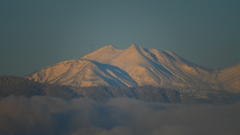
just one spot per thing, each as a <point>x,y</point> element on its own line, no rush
<point>83,73</point>
<point>229,78</point>
<point>137,66</point>
<point>153,67</point>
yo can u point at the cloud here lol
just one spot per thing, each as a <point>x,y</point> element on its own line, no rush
<point>120,116</point>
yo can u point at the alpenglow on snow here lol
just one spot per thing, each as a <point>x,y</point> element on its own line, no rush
<point>138,66</point>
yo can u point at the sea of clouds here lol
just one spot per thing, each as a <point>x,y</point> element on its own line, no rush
<point>121,116</point>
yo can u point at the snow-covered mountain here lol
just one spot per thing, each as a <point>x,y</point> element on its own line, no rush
<point>229,79</point>
<point>137,66</point>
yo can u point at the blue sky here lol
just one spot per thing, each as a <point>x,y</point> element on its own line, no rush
<point>36,34</point>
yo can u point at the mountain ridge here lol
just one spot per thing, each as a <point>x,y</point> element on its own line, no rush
<point>138,66</point>
<point>19,86</point>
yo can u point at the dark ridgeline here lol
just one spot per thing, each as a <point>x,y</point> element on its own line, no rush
<point>18,86</point>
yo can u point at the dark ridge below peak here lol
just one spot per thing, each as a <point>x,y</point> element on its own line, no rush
<point>18,86</point>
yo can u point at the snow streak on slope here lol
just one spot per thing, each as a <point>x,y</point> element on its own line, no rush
<point>135,66</point>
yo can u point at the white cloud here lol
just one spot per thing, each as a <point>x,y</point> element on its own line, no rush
<point>47,115</point>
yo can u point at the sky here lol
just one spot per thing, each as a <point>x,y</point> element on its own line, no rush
<point>36,34</point>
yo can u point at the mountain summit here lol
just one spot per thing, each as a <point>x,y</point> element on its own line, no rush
<point>137,66</point>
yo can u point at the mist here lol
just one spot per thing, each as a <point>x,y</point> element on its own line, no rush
<point>121,116</point>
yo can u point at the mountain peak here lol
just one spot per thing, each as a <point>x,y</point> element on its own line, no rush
<point>112,46</point>
<point>102,53</point>
<point>134,47</point>
<point>135,66</point>
<point>109,47</point>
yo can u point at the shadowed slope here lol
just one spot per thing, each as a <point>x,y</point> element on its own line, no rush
<point>152,67</point>
<point>82,73</point>
<point>137,66</point>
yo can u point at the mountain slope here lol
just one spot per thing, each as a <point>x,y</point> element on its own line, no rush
<point>137,66</point>
<point>152,67</point>
<point>83,73</point>
<point>18,86</point>
<point>229,78</point>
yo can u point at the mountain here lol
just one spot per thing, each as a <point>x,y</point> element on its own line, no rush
<point>137,66</point>
<point>83,73</point>
<point>19,86</point>
<point>229,78</point>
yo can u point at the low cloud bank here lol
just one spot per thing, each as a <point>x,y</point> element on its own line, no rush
<point>49,116</point>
